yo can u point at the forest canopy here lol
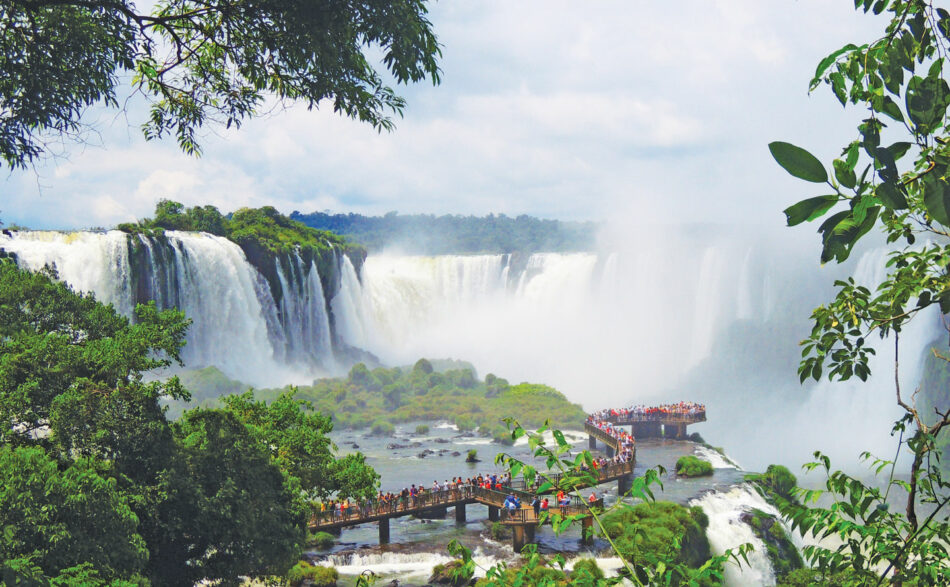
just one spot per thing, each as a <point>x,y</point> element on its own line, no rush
<point>426,234</point>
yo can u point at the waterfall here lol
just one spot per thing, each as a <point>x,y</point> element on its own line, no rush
<point>236,324</point>
<point>303,314</point>
<point>727,531</point>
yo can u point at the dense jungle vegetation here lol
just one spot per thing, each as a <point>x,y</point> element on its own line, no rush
<point>98,487</point>
<point>427,234</point>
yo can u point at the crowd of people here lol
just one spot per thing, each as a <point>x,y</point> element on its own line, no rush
<point>625,440</point>
<point>459,488</point>
<point>413,496</point>
<point>641,412</point>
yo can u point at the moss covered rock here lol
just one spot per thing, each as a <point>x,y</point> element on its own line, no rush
<point>782,553</point>
<point>305,573</point>
<point>690,466</point>
<point>451,573</point>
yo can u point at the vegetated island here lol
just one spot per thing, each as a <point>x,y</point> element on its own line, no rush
<point>427,234</point>
<point>430,390</point>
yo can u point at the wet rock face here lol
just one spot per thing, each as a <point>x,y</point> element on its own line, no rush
<point>782,552</point>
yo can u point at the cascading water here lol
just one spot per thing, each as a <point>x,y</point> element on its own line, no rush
<point>303,314</point>
<point>236,324</point>
<point>727,531</point>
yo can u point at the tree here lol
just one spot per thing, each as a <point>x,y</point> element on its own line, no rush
<point>252,521</point>
<point>902,190</point>
<point>202,61</point>
<point>54,519</point>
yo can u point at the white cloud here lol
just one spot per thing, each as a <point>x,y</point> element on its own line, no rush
<point>558,109</point>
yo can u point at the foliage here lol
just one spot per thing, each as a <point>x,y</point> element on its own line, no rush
<point>323,540</point>
<point>238,479</point>
<point>383,428</point>
<point>438,235</point>
<point>56,518</point>
<point>659,529</point>
<point>297,440</point>
<point>777,481</point>
<point>450,573</point>
<point>472,456</point>
<point>586,572</point>
<point>99,488</point>
<point>691,466</point>
<point>202,62</point>
<point>264,227</point>
<point>812,577</point>
<point>317,576</point>
<point>410,394</point>
<point>893,177</point>
<point>422,429</point>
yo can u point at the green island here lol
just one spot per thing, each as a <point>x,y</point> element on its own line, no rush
<point>429,390</point>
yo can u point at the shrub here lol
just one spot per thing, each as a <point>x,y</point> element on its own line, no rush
<point>383,428</point>
<point>422,429</point>
<point>586,572</point>
<point>472,456</point>
<point>317,575</point>
<point>649,528</point>
<point>691,466</point>
<point>451,573</point>
<point>323,540</point>
<point>500,531</point>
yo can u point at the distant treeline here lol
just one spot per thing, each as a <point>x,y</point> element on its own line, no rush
<point>434,235</point>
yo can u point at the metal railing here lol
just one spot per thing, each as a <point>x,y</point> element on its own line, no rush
<point>602,435</point>
<point>527,515</point>
<point>661,417</point>
<point>374,509</point>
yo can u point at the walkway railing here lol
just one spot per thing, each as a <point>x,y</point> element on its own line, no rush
<point>602,435</point>
<point>662,417</point>
<point>526,515</point>
<point>375,509</point>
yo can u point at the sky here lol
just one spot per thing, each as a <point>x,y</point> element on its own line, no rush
<point>643,111</point>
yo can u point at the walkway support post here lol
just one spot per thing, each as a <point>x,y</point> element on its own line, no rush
<point>591,442</point>
<point>492,513</point>
<point>384,531</point>
<point>460,513</point>
<point>624,484</point>
<point>521,535</point>
<point>610,451</point>
<point>587,531</point>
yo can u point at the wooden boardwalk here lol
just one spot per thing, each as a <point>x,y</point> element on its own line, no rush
<point>523,522</point>
<point>431,502</point>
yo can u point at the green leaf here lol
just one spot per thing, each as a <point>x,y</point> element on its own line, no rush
<point>844,174</point>
<point>891,195</point>
<point>937,199</point>
<point>798,162</point>
<point>808,210</point>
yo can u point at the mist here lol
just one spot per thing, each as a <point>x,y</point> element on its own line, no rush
<point>660,313</point>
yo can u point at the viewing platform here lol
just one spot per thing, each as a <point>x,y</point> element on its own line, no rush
<point>656,422</point>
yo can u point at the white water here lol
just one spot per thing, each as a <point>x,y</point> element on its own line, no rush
<point>727,531</point>
<point>234,319</point>
<point>717,460</point>
<point>90,262</point>
<point>402,566</point>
